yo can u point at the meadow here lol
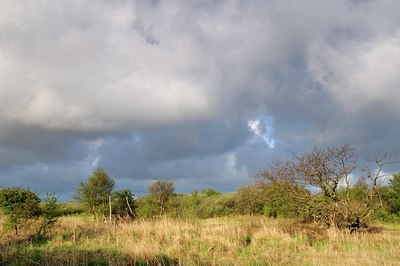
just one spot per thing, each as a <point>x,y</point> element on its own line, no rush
<point>236,240</point>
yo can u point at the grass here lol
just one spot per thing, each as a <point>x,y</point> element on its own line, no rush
<point>243,240</point>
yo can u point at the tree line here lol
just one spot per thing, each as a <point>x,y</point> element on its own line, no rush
<point>313,186</point>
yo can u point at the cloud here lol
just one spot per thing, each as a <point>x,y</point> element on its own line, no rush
<point>79,72</point>
<point>359,73</point>
<point>262,128</point>
<point>201,91</point>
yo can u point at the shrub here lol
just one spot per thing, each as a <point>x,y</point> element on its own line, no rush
<point>217,206</point>
<point>51,211</point>
<point>251,199</point>
<point>123,204</point>
<point>19,205</point>
<point>147,207</point>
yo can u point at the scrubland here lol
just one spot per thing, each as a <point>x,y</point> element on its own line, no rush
<point>236,240</point>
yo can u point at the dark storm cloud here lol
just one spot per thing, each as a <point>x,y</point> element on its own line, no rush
<point>204,92</point>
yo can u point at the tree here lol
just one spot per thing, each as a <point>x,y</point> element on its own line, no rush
<point>51,211</point>
<point>328,170</point>
<point>161,192</point>
<point>96,192</point>
<point>394,194</point>
<point>123,203</point>
<point>19,205</point>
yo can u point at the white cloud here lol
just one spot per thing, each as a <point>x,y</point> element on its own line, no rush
<point>62,68</point>
<point>358,73</point>
<point>263,128</point>
<point>255,126</point>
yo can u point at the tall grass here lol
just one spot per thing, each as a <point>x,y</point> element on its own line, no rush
<point>240,240</point>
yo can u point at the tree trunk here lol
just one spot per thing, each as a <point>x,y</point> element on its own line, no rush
<point>129,206</point>
<point>109,203</point>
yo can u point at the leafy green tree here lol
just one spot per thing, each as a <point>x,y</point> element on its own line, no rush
<point>19,205</point>
<point>161,192</point>
<point>394,194</point>
<point>51,210</point>
<point>123,204</point>
<point>96,192</point>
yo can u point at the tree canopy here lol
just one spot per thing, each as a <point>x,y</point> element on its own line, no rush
<point>161,192</point>
<point>96,192</point>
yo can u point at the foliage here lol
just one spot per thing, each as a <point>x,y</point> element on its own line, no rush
<point>72,207</point>
<point>19,205</point>
<point>272,200</point>
<point>216,206</point>
<point>210,192</point>
<point>281,203</point>
<point>251,199</point>
<point>359,192</point>
<point>123,204</point>
<point>386,216</point>
<point>160,191</point>
<point>96,192</point>
<point>147,207</point>
<point>184,205</point>
<point>189,204</point>
<point>327,170</point>
<point>51,211</point>
<point>394,194</point>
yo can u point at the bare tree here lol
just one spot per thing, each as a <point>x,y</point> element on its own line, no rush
<point>327,170</point>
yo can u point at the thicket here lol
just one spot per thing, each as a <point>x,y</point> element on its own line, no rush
<point>23,208</point>
<point>313,186</point>
<point>335,201</point>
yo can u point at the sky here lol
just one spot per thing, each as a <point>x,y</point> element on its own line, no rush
<point>201,92</point>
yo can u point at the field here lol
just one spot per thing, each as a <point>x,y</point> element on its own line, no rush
<point>243,240</point>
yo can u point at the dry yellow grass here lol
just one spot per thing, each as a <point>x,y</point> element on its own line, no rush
<point>222,241</point>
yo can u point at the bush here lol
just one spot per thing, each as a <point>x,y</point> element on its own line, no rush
<point>72,208</point>
<point>124,205</point>
<point>251,199</point>
<point>184,205</point>
<point>19,205</point>
<point>385,215</point>
<point>217,206</point>
<point>147,207</point>
<point>51,211</point>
